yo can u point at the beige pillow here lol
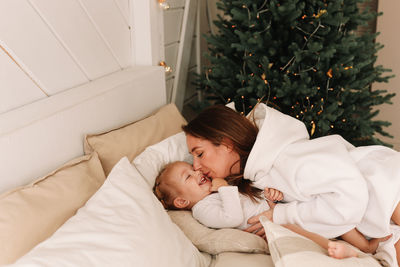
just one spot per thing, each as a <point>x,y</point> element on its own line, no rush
<point>32,213</point>
<point>236,259</point>
<point>289,249</point>
<point>132,139</point>
<point>215,241</point>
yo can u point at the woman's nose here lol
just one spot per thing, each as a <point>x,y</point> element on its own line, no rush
<point>196,165</point>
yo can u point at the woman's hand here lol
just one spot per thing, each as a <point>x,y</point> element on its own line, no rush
<point>273,194</point>
<point>217,183</point>
<point>255,224</point>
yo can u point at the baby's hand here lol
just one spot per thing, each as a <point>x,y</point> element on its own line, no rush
<point>273,194</point>
<point>217,183</point>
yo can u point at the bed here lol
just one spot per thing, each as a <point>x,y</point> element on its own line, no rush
<point>77,170</point>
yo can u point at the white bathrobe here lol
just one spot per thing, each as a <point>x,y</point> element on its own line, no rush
<point>329,186</point>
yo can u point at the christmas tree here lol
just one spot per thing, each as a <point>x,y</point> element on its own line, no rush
<point>302,57</point>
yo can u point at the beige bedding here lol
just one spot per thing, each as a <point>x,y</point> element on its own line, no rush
<point>225,247</point>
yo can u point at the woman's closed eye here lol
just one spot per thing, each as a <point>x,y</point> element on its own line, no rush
<point>200,155</point>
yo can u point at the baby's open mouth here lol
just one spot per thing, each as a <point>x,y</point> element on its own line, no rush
<point>203,180</point>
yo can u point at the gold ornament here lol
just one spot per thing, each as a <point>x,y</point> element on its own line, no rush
<point>312,128</point>
<point>329,73</point>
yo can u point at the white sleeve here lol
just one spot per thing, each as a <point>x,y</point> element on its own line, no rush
<point>222,211</point>
<point>331,195</point>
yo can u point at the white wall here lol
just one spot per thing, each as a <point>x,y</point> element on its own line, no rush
<point>389,57</point>
<point>48,46</point>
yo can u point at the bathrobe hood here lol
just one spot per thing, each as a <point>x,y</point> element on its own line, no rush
<point>276,131</point>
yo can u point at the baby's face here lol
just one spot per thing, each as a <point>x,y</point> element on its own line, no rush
<point>191,184</point>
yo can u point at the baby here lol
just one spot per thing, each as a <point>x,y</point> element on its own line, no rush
<point>219,205</point>
<point>178,186</point>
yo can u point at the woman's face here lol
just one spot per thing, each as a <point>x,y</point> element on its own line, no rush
<point>215,161</point>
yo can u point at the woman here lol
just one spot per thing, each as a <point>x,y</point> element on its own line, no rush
<point>325,181</point>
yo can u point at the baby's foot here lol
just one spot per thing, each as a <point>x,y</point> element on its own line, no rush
<point>340,250</point>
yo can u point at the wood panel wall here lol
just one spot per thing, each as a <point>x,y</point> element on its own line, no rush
<point>47,46</point>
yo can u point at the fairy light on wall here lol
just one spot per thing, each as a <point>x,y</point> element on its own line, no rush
<point>167,68</point>
<point>163,4</point>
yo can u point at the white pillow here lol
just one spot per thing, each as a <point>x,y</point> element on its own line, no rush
<point>153,158</point>
<point>122,224</point>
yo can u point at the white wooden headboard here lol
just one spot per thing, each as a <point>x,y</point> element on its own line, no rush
<point>48,47</point>
<point>39,137</point>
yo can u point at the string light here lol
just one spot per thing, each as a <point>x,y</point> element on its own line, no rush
<point>167,68</point>
<point>163,4</point>
<point>320,13</point>
<point>264,78</point>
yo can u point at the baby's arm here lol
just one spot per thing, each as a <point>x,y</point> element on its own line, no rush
<point>358,240</point>
<point>220,210</point>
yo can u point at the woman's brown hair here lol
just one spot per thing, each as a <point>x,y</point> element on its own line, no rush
<point>218,122</point>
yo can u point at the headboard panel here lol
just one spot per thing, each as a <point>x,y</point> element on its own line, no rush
<point>39,137</point>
